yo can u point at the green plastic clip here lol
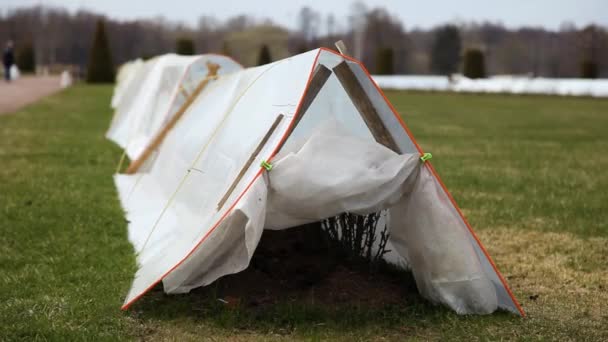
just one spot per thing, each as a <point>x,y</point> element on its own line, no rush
<point>426,157</point>
<point>266,165</point>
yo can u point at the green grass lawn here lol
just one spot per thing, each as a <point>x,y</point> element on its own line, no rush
<point>528,171</point>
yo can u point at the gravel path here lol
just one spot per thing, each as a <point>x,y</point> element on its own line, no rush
<point>25,90</point>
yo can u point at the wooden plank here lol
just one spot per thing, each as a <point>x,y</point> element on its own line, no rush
<point>341,47</point>
<point>319,78</point>
<point>184,92</point>
<point>160,136</point>
<point>250,161</point>
<point>364,105</point>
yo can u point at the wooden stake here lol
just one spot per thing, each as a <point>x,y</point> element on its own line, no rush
<point>160,136</point>
<point>341,47</point>
<point>319,78</point>
<point>364,105</point>
<point>249,161</point>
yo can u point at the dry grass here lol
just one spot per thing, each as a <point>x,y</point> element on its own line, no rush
<point>561,279</point>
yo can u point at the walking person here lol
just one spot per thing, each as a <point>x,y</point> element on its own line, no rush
<point>8,58</point>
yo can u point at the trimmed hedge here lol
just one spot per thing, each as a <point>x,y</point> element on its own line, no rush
<point>184,46</point>
<point>100,68</point>
<point>264,57</point>
<point>385,61</point>
<point>26,58</point>
<point>589,69</point>
<point>474,64</point>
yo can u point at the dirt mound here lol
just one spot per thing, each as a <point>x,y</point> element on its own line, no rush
<point>284,268</point>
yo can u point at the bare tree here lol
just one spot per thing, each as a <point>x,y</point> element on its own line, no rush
<point>59,36</point>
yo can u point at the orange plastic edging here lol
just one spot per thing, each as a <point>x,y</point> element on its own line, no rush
<point>257,175</point>
<point>436,176</point>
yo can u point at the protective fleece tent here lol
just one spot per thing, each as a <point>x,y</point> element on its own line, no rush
<point>124,78</point>
<point>149,93</point>
<point>288,143</point>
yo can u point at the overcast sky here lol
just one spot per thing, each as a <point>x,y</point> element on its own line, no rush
<point>413,13</point>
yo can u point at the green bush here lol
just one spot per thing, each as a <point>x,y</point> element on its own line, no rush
<point>26,60</point>
<point>474,64</point>
<point>100,68</point>
<point>264,57</point>
<point>184,46</point>
<point>589,69</point>
<point>385,61</point>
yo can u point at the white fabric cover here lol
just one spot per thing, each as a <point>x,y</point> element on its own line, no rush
<point>157,91</point>
<point>334,173</point>
<point>66,79</point>
<point>497,84</point>
<point>14,72</point>
<point>125,77</point>
<point>329,165</point>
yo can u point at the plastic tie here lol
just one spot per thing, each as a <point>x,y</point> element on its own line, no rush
<point>426,157</point>
<point>266,165</point>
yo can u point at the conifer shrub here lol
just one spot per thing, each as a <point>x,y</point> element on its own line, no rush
<point>100,68</point>
<point>474,64</point>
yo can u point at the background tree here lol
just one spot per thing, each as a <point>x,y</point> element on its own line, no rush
<point>590,41</point>
<point>184,46</point>
<point>383,30</point>
<point>59,36</point>
<point>100,69</point>
<point>26,60</point>
<point>445,53</point>
<point>385,61</point>
<point>264,57</point>
<point>589,69</point>
<point>474,65</point>
<point>226,49</point>
<point>308,22</point>
<point>302,48</point>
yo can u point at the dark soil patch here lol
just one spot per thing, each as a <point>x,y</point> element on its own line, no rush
<point>297,265</point>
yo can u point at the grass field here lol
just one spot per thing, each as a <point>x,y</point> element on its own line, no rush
<point>528,171</point>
